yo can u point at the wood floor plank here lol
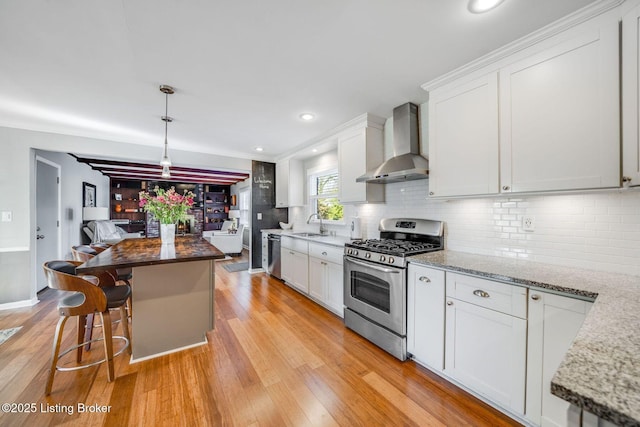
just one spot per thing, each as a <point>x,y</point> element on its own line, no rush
<point>275,358</point>
<point>401,401</point>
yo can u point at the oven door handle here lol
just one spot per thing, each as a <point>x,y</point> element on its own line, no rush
<point>374,267</point>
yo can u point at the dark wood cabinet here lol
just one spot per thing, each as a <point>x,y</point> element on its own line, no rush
<point>124,205</point>
<point>210,210</point>
<point>216,207</point>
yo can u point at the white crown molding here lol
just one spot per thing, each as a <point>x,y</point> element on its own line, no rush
<point>562,24</point>
<point>360,122</point>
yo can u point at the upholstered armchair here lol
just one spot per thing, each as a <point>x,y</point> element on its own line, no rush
<point>226,242</point>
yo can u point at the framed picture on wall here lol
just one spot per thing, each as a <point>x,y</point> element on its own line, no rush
<point>88,195</point>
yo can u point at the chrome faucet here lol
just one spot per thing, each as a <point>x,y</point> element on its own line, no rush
<point>323,230</point>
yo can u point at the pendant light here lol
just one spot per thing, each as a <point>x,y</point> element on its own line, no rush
<point>165,162</point>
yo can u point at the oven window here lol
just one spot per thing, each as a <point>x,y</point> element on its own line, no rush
<point>371,290</point>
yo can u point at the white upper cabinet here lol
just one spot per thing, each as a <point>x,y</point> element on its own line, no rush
<point>289,183</point>
<point>631,97</point>
<point>360,150</point>
<point>541,117</point>
<point>463,138</point>
<point>560,115</point>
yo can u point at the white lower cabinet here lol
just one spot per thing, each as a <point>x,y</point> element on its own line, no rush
<point>554,321</point>
<point>425,315</point>
<point>265,251</point>
<point>325,284</point>
<point>294,262</point>
<point>325,276</point>
<point>295,269</point>
<point>486,338</point>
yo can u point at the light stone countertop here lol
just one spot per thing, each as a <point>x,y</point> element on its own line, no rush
<point>601,371</point>
<point>326,240</point>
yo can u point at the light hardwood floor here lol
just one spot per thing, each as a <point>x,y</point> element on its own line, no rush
<point>274,359</point>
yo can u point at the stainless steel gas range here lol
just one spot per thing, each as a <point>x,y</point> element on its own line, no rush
<point>375,280</point>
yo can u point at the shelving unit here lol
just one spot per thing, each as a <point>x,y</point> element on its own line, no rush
<point>124,204</point>
<point>216,206</point>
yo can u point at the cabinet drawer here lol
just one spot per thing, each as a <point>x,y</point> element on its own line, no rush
<point>326,252</point>
<point>496,296</point>
<point>297,245</point>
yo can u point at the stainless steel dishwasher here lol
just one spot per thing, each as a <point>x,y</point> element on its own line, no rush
<point>273,255</point>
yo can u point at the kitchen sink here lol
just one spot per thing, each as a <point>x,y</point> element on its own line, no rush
<point>308,234</point>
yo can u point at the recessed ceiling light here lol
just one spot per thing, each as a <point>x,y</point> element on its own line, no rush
<point>481,6</point>
<point>315,150</point>
<point>307,116</point>
<point>259,149</point>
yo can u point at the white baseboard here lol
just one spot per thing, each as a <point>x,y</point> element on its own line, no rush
<point>19,304</point>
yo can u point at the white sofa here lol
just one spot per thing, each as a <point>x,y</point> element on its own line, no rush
<point>228,243</point>
<point>107,232</point>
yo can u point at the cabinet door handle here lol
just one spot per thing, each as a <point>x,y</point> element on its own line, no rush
<point>626,179</point>
<point>431,193</point>
<point>449,302</point>
<point>535,297</point>
<point>424,279</point>
<point>481,293</point>
<point>324,253</point>
<point>506,187</point>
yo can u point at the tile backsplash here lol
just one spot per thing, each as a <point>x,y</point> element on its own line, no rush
<point>598,230</point>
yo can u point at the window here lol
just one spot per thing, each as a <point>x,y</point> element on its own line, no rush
<point>323,194</point>
<point>244,204</point>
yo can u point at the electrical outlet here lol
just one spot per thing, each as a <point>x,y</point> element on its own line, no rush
<point>528,223</point>
<point>7,216</point>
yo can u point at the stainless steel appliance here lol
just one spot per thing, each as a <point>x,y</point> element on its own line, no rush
<point>406,164</point>
<point>375,280</point>
<point>273,255</point>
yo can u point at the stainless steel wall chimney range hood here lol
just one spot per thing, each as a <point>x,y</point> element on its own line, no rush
<point>406,164</point>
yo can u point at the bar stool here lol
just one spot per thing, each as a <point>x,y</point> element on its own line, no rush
<point>84,253</point>
<point>85,298</point>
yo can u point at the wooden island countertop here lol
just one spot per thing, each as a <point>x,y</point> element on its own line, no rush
<point>143,252</point>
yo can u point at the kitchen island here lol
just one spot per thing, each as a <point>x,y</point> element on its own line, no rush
<point>172,291</point>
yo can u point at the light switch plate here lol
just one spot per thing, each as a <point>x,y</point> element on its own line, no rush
<point>7,216</point>
<point>259,216</point>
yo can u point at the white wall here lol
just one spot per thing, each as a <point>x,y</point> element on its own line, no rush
<point>72,177</point>
<point>598,231</point>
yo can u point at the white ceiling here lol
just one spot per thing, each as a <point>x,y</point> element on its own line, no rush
<point>243,70</point>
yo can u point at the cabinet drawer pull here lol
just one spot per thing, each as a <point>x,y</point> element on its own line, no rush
<point>506,187</point>
<point>535,297</point>
<point>626,179</point>
<point>449,302</point>
<point>481,293</point>
<point>324,253</point>
<point>424,279</point>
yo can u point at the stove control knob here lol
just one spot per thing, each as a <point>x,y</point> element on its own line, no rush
<point>355,252</point>
<point>349,251</point>
<point>382,258</point>
<point>367,255</point>
<point>391,260</point>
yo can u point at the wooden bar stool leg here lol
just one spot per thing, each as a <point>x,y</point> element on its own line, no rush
<point>108,343</point>
<point>57,340</point>
<point>82,323</point>
<point>125,326</point>
<point>89,331</point>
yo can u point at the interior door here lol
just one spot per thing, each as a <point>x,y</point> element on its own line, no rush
<point>47,217</point>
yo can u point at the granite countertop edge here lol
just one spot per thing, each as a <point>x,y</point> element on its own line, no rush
<point>601,370</point>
